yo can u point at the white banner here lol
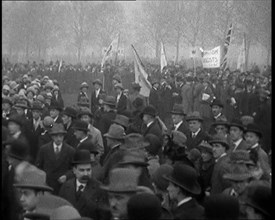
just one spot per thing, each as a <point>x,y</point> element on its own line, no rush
<point>211,58</point>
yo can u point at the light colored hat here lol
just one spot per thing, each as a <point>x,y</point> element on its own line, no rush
<point>6,87</point>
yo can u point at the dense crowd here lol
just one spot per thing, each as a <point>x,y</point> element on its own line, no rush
<point>199,147</point>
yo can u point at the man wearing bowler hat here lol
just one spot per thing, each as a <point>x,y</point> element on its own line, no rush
<point>183,187</point>
<point>132,97</point>
<point>55,158</point>
<point>83,190</point>
<point>121,99</point>
<point>81,132</point>
<point>217,113</point>
<point>55,110</point>
<point>179,123</point>
<point>96,95</point>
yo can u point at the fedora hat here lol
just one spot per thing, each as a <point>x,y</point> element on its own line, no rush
<point>236,123</point>
<point>109,100</point>
<point>122,180</point>
<point>57,128</point>
<point>70,111</point>
<point>40,98</point>
<point>121,120</point>
<point>185,177</point>
<point>240,157</point>
<point>16,118</point>
<point>155,144</point>
<point>157,177</point>
<point>17,149</point>
<point>178,109</point>
<point>119,85</point>
<point>36,106</point>
<point>66,212</point>
<point>49,85</point>
<point>219,139</point>
<point>115,132</point>
<point>134,157</point>
<point>84,85</point>
<point>194,116</point>
<point>97,81</point>
<point>179,138</point>
<point>81,157</point>
<point>46,205</point>
<point>253,128</point>
<point>33,178</point>
<point>216,102</point>
<point>134,141</point>
<point>149,110</point>
<point>238,173</point>
<point>247,119</point>
<point>87,145</point>
<point>21,104</point>
<point>80,125</point>
<point>204,146</point>
<point>85,111</point>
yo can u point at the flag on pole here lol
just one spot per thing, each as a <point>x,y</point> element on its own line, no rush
<point>224,64</point>
<point>163,60</point>
<point>60,65</point>
<point>241,57</point>
<point>111,49</point>
<point>141,75</point>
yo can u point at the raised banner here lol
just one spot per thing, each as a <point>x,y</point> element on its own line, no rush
<point>212,58</point>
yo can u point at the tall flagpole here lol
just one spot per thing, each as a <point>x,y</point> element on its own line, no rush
<point>117,48</point>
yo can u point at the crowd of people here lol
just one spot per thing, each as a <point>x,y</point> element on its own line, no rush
<point>199,147</point>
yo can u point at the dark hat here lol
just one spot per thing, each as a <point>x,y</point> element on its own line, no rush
<point>144,206</point>
<point>222,206</point>
<point>58,128</point>
<point>138,103</point>
<point>119,85</point>
<point>36,106</point>
<point>194,116</point>
<point>109,100</point>
<point>115,132</point>
<point>253,128</point>
<point>134,157</point>
<point>135,85</point>
<point>117,77</point>
<point>185,177</point>
<point>80,125</point>
<point>122,180</point>
<point>178,109</point>
<point>121,120</point>
<point>155,144</point>
<point>236,123</point>
<point>97,81</point>
<point>219,139</point>
<point>81,157</point>
<point>6,100</point>
<point>21,104</point>
<point>33,178</point>
<point>48,121</point>
<point>204,146</point>
<point>221,121</point>
<point>216,102</point>
<point>16,118</point>
<point>70,111</point>
<point>17,149</point>
<point>260,198</point>
<point>238,173</point>
<point>83,103</point>
<point>85,111</point>
<point>134,141</point>
<point>55,105</point>
<point>46,205</point>
<point>66,212</point>
<point>88,145</point>
<point>149,110</point>
<point>157,177</point>
<point>240,157</point>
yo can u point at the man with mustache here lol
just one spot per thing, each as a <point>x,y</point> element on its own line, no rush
<point>83,190</point>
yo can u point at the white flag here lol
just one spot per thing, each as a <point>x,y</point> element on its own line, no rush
<point>241,57</point>
<point>163,60</point>
<point>60,65</point>
<point>113,48</point>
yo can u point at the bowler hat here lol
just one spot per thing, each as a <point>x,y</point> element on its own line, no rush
<point>84,85</point>
<point>216,102</point>
<point>33,178</point>
<point>157,177</point>
<point>144,206</point>
<point>253,128</point>
<point>97,81</point>
<point>149,110</point>
<point>85,111</point>
<point>110,100</point>
<point>46,205</point>
<point>238,173</point>
<point>119,85</point>
<point>87,145</point>
<point>185,177</point>
<point>194,116</point>
<point>55,105</point>
<point>240,157</point>
<point>221,121</point>
<point>178,110</point>
<point>236,123</point>
<point>17,149</point>
<point>115,132</point>
<point>21,104</point>
<point>36,106</point>
<point>66,212</point>
<point>121,120</point>
<point>222,206</point>
<point>155,145</point>
<point>134,157</point>
<point>16,118</point>
<point>81,157</point>
<point>219,139</point>
<point>58,128</point>
<point>204,146</point>
<point>122,180</point>
<point>70,111</point>
<point>80,125</point>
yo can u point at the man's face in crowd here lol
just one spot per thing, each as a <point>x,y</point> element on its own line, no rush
<point>235,133</point>
<point>78,134</point>
<point>36,114</point>
<point>173,191</point>
<point>58,138</point>
<point>65,119</point>
<point>218,150</point>
<point>13,127</point>
<point>216,110</point>
<point>20,111</point>
<point>240,186</point>
<point>83,172</point>
<point>85,118</point>
<point>30,95</point>
<point>28,199</point>
<point>84,89</point>
<point>54,113</point>
<point>118,204</point>
<point>194,125</point>
<point>177,118</point>
<point>221,129</point>
<point>251,138</point>
<point>97,86</point>
<point>206,156</point>
<point>146,118</point>
<point>5,92</point>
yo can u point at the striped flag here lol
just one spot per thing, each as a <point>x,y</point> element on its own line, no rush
<point>163,60</point>
<point>224,64</point>
<point>141,75</point>
<point>113,48</point>
<point>241,57</point>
